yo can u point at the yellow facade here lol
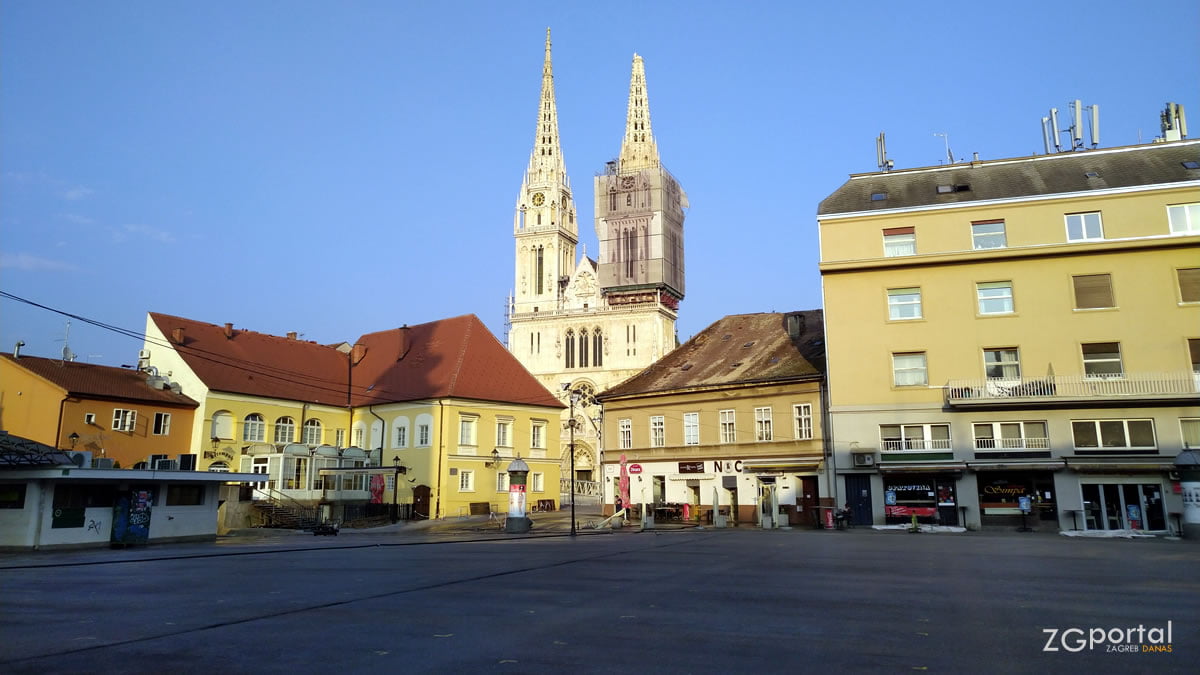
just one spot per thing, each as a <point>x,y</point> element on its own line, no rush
<point>224,429</point>
<point>945,303</point>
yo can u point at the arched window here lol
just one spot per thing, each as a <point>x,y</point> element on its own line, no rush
<point>539,268</point>
<point>312,432</point>
<point>222,424</point>
<point>219,467</point>
<point>583,348</point>
<point>570,349</point>
<point>285,430</point>
<point>254,428</point>
<point>597,347</point>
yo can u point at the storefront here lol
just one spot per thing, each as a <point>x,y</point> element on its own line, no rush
<point>1123,506</point>
<point>931,497</point>
<point>1002,494</point>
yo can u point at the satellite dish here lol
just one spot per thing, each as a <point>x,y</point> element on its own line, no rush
<point>67,354</point>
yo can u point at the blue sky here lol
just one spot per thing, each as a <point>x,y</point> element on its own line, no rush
<point>341,168</point>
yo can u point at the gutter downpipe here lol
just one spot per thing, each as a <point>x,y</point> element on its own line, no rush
<point>58,428</point>
<point>437,510</point>
<point>827,442</point>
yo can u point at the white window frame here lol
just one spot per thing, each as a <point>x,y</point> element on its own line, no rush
<point>1189,432</point>
<point>904,304</point>
<point>307,429</point>
<point>340,438</point>
<point>1003,360</point>
<point>1184,218</point>
<point>162,424</point>
<point>625,433</point>
<point>423,435</point>
<point>537,481</point>
<point>222,424</point>
<point>763,430</point>
<point>502,481</point>
<point>1095,360</point>
<point>401,439</point>
<point>658,431</point>
<point>1099,427</point>
<point>728,422</point>
<point>910,366</point>
<point>537,435</point>
<point>504,438</point>
<point>914,438</point>
<point>289,426</point>
<point>691,428</point>
<point>124,419</point>
<point>1022,441</point>
<point>1079,221</point>
<point>254,430</point>
<point>466,480</point>
<point>468,430</point>
<point>989,293</point>
<point>899,245</point>
<point>802,420</point>
<point>984,233</point>
<point>359,435</point>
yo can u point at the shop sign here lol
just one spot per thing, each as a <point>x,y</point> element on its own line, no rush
<point>691,467</point>
<point>727,466</point>
<point>635,468</point>
<point>1025,504</point>
<point>1004,489</point>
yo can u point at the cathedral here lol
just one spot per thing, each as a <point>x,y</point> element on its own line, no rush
<point>582,325</point>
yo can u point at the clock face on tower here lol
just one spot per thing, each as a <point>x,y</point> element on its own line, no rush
<point>539,199</point>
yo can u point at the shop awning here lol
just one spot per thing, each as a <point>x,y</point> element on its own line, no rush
<point>298,449</point>
<point>913,467</point>
<point>1017,466</point>
<point>353,452</point>
<point>261,449</point>
<point>1134,466</point>
<point>809,463</point>
<point>327,451</point>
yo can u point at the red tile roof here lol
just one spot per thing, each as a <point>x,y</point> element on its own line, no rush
<point>456,357</point>
<point>88,380</point>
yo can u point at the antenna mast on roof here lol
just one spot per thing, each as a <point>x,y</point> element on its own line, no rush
<point>881,158</point>
<point>1051,132</point>
<point>1173,123</point>
<point>949,154</point>
<point>67,354</point>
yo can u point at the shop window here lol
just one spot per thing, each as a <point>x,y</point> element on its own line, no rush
<point>185,495</point>
<point>1129,506</point>
<point>1113,434</point>
<point>918,437</point>
<point>657,431</point>
<point>1102,359</point>
<point>1011,436</point>
<point>12,496</point>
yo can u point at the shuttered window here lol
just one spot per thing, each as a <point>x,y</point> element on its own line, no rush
<point>1189,284</point>
<point>1093,291</point>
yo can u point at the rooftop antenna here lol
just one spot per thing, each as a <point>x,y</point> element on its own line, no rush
<point>881,158</point>
<point>67,354</point>
<point>1051,131</point>
<point>946,138</point>
<point>1173,123</point>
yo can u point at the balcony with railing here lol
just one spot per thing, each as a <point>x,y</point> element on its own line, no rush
<point>1058,389</point>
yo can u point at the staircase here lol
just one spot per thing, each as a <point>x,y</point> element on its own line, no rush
<point>281,511</point>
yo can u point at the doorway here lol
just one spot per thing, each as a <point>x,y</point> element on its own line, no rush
<point>262,466</point>
<point>807,501</point>
<point>420,504</point>
<point>858,496</point>
<point>1123,506</point>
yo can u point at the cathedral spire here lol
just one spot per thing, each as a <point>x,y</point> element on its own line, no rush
<point>546,163</point>
<point>638,150</point>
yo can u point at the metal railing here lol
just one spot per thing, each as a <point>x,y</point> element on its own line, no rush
<point>917,444</point>
<point>1064,387</point>
<point>1027,443</point>
<point>283,511</point>
<point>587,488</point>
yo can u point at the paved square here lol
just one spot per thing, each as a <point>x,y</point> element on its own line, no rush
<point>714,601</point>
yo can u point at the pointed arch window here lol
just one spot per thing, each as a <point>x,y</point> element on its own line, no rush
<point>570,349</point>
<point>539,264</point>
<point>583,348</point>
<point>597,347</point>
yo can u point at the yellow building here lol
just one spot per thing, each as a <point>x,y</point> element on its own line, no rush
<point>112,416</point>
<point>442,406</point>
<point>1020,333</point>
<point>734,416</point>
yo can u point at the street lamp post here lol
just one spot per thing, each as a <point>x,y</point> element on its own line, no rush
<point>396,488</point>
<point>574,400</point>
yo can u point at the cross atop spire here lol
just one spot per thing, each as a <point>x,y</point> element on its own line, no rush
<point>638,150</point>
<point>546,163</point>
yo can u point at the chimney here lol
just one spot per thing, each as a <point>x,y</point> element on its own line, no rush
<point>357,354</point>
<point>291,335</point>
<point>795,325</point>
<point>177,335</point>
<point>229,331</point>
<point>402,347</point>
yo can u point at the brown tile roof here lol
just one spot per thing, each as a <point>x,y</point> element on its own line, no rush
<point>738,349</point>
<point>88,380</point>
<point>456,357</point>
<point>1064,173</point>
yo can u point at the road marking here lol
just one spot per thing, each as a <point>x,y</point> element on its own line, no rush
<point>443,636</point>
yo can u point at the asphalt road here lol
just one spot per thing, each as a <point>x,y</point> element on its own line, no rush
<point>702,601</point>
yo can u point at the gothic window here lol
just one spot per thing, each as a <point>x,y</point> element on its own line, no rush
<point>583,348</point>
<point>539,220</point>
<point>630,247</point>
<point>612,200</point>
<point>597,347</point>
<point>570,349</point>
<point>628,199</point>
<point>539,265</point>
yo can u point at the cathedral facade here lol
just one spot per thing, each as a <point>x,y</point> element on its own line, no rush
<point>582,325</point>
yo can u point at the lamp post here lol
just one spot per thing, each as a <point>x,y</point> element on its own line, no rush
<point>74,438</point>
<point>399,469</point>
<point>571,423</point>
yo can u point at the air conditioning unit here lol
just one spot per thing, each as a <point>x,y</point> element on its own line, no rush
<point>187,462</point>
<point>104,463</point>
<point>864,459</point>
<point>81,458</point>
<point>166,465</point>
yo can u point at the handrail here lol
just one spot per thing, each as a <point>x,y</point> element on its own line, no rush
<point>1178,383</point>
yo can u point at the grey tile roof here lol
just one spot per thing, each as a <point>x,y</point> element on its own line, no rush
<point>738,349</point>
<point>1063,173</point>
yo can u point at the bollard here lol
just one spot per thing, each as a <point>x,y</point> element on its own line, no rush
<point>914,528</point>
